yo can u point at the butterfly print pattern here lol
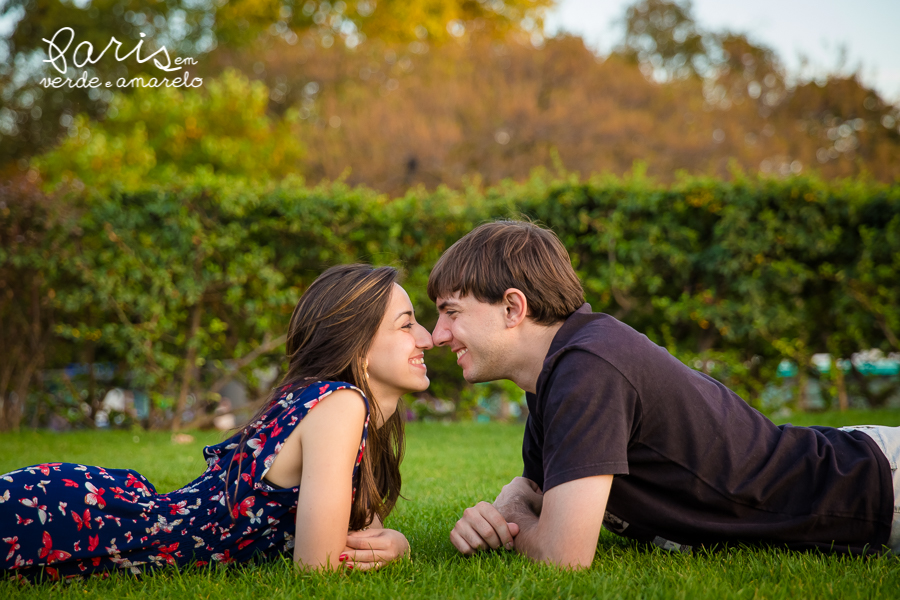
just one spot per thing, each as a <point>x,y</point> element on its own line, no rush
<point>61,520</point>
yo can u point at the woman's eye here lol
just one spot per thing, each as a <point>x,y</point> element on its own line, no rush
<point>408,326</point>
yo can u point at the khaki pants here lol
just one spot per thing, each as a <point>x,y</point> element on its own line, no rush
<point>888,439</point>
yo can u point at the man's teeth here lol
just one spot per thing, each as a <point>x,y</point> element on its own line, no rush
<point>461,352</point>
<point>418,361</point>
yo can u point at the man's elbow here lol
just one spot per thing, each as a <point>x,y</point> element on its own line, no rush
<point>571,562</point>
<point>567,563</point>
<point>567,558</point>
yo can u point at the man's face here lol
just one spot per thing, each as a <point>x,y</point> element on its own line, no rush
<point>476,333</point>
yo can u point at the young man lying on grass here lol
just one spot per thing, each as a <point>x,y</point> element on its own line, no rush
<point>621,433</point>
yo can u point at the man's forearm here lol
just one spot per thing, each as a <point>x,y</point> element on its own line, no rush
<point>528,540</point>
<point>560,526</point>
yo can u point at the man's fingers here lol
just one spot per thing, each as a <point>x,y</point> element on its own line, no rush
<point>474,532</point>
<point>482,527</point>
<point>534,486</point>
<point>462,544</point>
<point>499,534</point>
<point>472,537</point>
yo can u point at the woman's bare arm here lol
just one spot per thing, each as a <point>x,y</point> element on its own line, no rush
<point>330,437</point>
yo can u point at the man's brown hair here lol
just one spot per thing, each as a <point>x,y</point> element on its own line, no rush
<point>510,254</point>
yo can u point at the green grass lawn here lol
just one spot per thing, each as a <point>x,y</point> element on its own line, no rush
<point>449,467</point>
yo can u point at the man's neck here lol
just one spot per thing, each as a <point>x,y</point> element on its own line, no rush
<point>535,345</point>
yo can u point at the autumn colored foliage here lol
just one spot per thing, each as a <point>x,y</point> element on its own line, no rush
<point>430,97</point>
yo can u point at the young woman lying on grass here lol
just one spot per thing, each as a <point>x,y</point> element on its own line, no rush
<point>317,483</point>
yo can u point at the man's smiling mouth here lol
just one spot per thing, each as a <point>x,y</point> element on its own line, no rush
<point>459,353</point>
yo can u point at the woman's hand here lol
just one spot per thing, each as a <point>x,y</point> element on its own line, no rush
<point>373,548</point>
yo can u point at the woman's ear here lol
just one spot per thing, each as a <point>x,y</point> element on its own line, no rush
<point>516,307</point>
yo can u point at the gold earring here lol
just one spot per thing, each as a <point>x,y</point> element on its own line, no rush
<point>366,369</point>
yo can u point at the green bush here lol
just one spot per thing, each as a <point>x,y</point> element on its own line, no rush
<point>185,284</point>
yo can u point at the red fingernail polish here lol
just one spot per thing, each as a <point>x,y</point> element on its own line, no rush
<point>342,557</point>
<point>349,566</point>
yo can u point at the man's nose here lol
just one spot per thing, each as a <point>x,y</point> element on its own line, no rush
<point>440,335</point>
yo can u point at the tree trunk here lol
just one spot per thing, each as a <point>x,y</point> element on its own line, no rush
<point>92,401</point>
<point>5,397</point>
<point>875,399</point>
<point>16,412</point>
<point>802,383</point>
<point>843,404</point>
<point>190,360</point>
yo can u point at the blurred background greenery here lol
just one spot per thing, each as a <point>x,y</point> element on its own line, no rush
<point>153,240</point>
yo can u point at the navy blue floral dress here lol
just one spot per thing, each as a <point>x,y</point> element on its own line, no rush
<point>67,520</point>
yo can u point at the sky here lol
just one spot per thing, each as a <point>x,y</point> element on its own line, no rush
<point>869,29</point>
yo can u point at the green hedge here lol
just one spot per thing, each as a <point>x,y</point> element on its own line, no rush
<point>730,276</point>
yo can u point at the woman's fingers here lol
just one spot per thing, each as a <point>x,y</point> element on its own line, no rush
<point>368,543</point>
<point>368,533</point>
<point>384,545</point>
<point>353,555</point>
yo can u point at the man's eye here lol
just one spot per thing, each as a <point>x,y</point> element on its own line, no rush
<point>449,312</point>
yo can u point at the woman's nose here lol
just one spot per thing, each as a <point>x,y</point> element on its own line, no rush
<point>423,340</point>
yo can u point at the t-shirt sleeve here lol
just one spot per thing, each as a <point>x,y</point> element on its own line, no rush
<point>587,419</point>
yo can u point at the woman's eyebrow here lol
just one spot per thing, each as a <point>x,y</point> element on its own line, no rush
<point>406,312</point>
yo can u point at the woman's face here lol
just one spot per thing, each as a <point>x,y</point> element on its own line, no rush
<point>396,360</point>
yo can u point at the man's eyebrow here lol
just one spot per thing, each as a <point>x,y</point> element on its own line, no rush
<point>447,303</point>
<point>406,312</point>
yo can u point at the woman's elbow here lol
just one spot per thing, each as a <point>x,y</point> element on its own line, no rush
<point>310,564</point>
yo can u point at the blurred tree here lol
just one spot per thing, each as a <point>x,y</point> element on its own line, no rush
<point>33,117</point>
<point>745,70</point>
<point>844,127</point>
<point>392,21</point>
<point>393,117</point>
<point>28,266</point>
<point>662,37</point>
<point>163,134</point>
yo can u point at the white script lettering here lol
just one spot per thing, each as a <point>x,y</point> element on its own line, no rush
<point>58,55</point>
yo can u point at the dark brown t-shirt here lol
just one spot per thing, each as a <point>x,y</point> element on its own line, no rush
<point>693,463</point>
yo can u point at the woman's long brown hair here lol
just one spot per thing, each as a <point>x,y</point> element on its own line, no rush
<point>329,336</point>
